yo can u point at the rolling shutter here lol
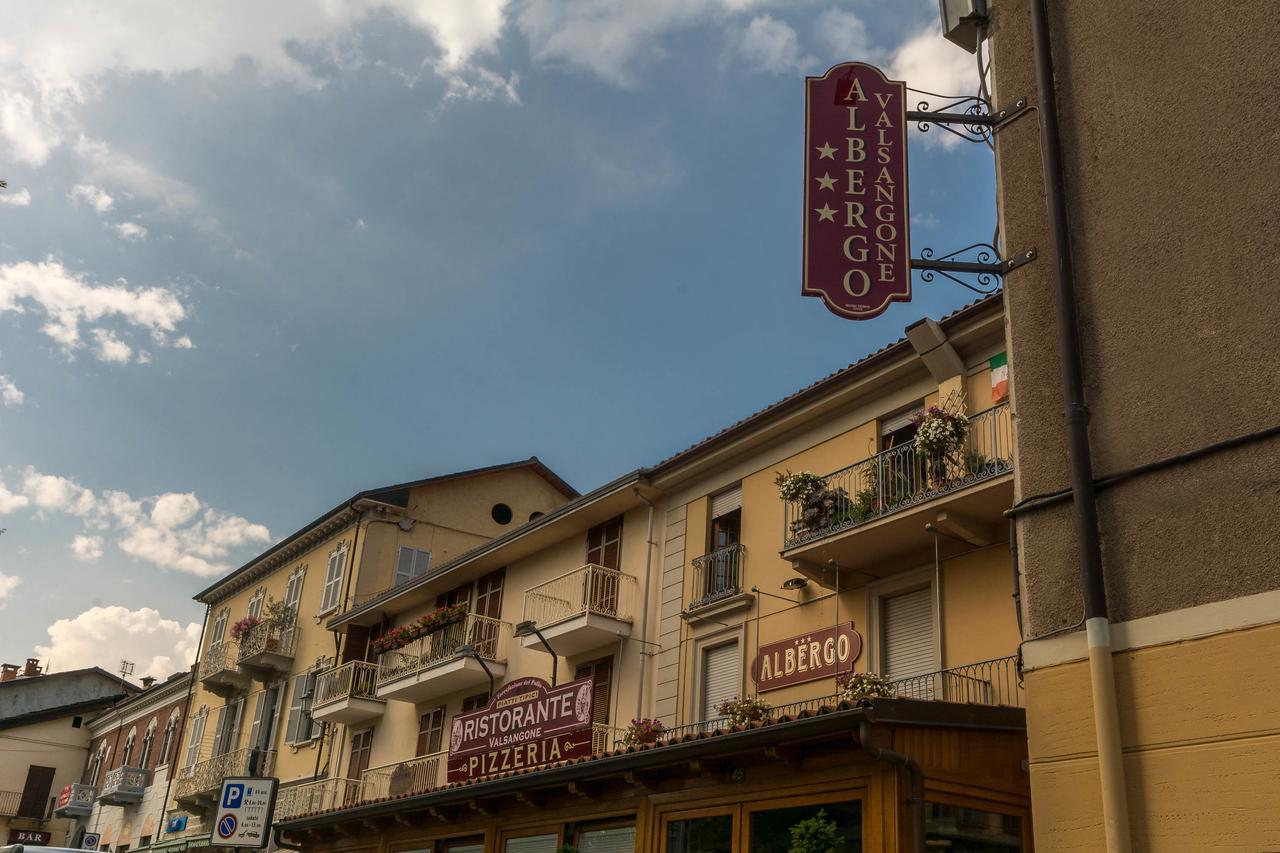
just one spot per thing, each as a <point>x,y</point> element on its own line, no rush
<point>619,839</point>
<point>533,844</point>
<point>726,502</point>
<point>908,634</point>
<point>719,677</point>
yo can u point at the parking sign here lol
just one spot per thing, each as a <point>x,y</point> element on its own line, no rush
<point>245,808</point>
<point>90,841</point>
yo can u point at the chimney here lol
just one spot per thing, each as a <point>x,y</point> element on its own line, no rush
<point>8,672</point>
<point>147,681</point>
<point>32,669</point>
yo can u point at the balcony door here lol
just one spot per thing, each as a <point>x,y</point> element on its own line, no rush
<point>604,549</point>
<point>228,727</point>
<point>266,719</point>
<point>358,763</point>
<point>484,635</point>
<point>722,570</point>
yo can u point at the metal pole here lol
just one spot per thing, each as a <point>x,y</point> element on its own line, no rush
<point>1115,809</point>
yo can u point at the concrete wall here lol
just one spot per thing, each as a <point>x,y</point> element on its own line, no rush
<point>52,743</point>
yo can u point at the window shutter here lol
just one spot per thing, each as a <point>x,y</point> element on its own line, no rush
<point>619,839</point>
<point>726,502</point>
<point>256,729</point>
<point>719,677</point>
<point>908,634</point>
<point>35,793</point>
<point>293,731</point>
<point>404,565</point>
<point>533,844</point>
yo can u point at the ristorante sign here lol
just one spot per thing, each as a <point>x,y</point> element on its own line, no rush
<point>806,657</point>
<point>857,254</point>
<point>528,723</point>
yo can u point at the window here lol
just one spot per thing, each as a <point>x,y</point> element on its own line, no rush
<point>76,722</point>
<point>301,727</point>
<point>255,603</point>
<point>227,729</point>
<point>604,544</point>
<point>475,703</point>
<point>711,834</point>
<point>361,747</point>
<point>431,731</point>
<point>411,563</point>
<point>292,596</point>
<point>489,594</point>
<point>907,634</point>
<point>457,595</point>
<point>144,841</point>
<point>266,716</point>
<point>602,671</point>
<point>965,830</point>
<point>546,843</point>
<point>219,632</point>
<point>719,677</point>
<point>127,754</point>
<point>170,731</point>
<point>770,829</point>
<point>95,768</point>
<point>35,793</point>
<point>501,513</point>
<point>333,579</point>
<point>197,736</point>
<point>613,839</point>
<point>147,740</point>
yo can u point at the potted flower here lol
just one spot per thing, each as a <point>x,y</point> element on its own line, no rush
<point>861,686</point>
<point>643,731</point>
<point>797,487</point>
<point>240,629</point>
<point>743,711</point>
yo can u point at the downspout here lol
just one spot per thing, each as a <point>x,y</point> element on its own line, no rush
<point>916,800</point>
<point>182,725</point>
<point>644,606</point>
<point>1017,579</point>
<point>1106,716</point>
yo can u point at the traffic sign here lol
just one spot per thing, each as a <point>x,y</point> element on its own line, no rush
<point>245,809</point>
<point>90,841</point>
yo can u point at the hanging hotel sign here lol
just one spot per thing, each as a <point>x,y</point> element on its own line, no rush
<point>857,253</point>
<point>806,657</point>
<point>527,724</point>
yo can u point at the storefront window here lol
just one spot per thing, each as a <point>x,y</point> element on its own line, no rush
<point>533,844</point>
<point>712,834</point>
<point>617,839</point>
<point>823,826</point>
<point>964,830</point>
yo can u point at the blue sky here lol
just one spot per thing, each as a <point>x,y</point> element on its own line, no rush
<point>252,261</point>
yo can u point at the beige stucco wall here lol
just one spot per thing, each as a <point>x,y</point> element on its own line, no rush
<point>49,743</point>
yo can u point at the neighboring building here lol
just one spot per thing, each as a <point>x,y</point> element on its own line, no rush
<point>44,740</point>
<point>264,639</point>
<point>680,586</point>
<point>1171,191</point>
<point>121,795</point>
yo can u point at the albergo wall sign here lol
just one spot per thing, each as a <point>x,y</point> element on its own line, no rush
<point>806,657</point>
<point>528,723</point>
<point>857,253</point>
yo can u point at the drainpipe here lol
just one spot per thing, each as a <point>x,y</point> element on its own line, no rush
<point>1106,716</point>
<point>644,606</point>
<point>174,768</point>
<point>916,800</point>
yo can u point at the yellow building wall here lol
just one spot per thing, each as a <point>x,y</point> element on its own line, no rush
<point>1203,770</point>
<point>49,743</point>
<point>978,617</point>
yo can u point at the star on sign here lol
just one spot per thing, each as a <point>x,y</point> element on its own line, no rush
<point>826,152</point>
<point>826,182</point>
<point>825,213</point>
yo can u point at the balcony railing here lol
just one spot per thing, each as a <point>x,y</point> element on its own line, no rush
<point>267,644</point>
<point>219,659</point>
<point>124,785</point>
<point>9,802</point>
<point>590,589</point>
<point>487,636</point>
<point>318,796</point>
<point>415,776</point>
<point>993,682</point>
<point>902,477</point>
<point>205,777</point>
<point>718,575</point>
<point>355,680</point>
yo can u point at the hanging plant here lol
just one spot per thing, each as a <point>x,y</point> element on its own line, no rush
<point>940,433</point>
<point>798,487</point>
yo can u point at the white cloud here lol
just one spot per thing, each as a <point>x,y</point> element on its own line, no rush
<point>8,583</point>
<point>130,231</point>
<point>11,395</point>
<point>87,548</point>
<point>68,300</point>
<point>111,348</point>
<point>772,45</point>
<point>21,198</point>
<point>139,179</point>
<point>930,63</point>
<point>843,37</point>
<point>102,636</point>
<point>95,197</point>
<point>175,530</point>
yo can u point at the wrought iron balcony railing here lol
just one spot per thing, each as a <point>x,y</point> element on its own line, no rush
<point>219,659</point>
<point>489,637</point>
<point>9,802</point>
<point>267,637</point>
<point>902,477</point>
<point>590,589</point>
<point>354,680</point>
<point>321,795</point>
<point>718,575</point>
<point>415,776</point>
<point>205,777</point>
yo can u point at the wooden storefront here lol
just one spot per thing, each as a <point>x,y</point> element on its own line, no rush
<point>737,791</point>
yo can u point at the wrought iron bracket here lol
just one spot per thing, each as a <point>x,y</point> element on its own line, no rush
<point>987,269</point>
<point>971,114</point>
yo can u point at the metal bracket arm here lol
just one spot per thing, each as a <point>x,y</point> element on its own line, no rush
<point>988,269</point>
<point>976,122</point>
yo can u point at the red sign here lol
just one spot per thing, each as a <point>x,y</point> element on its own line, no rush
<point>64,796</point>
<point>857,253</point>
<point>528,723</point>
<point>806,657</point>
<point>30,836</point>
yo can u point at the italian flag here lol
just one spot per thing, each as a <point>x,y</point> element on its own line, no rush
<point>1000,378</point>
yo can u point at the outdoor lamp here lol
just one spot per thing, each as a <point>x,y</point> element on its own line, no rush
<point>963,21</point>
<point>466,650</point>
<point>529,627</point>
<point>793,584</point>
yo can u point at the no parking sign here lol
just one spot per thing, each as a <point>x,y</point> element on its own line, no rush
<point>245,808</point>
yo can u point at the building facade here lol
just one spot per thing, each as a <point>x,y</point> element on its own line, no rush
<point>1168,176</point>
<point>265,641</point>
<point>719,616</point>
<point>44,741</point>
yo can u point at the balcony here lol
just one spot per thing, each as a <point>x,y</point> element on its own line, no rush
<point>718,582</point>
<point>10,801</point>
<point>348,694</point>
<point>75,800</point>
<point>124,786</point>
<point>218,672</point>
<point>266,650</point>
<point>197,787</point>
<point>582,610</point>
<point>416,776</point>
<point>430,666</point>
<point>870,520</point>
<point>321,795</point>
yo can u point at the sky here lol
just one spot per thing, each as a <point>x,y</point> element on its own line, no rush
<point>255,258</point>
